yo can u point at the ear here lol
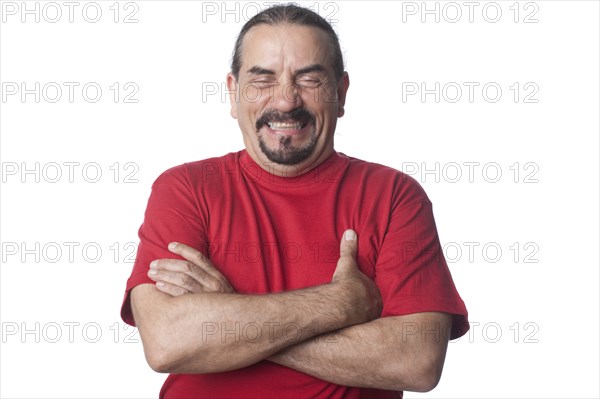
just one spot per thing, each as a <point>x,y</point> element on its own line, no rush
<point>342,89</point>
<point>232,91</point>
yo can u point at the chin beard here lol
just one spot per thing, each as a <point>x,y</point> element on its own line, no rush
<point>287,153</point>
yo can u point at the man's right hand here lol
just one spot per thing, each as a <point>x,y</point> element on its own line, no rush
<point>362,293</point>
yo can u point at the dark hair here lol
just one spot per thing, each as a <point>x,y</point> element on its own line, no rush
<point>292,14</point>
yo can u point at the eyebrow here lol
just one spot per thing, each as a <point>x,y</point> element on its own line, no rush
<point>256,70</point>
<point>311,68</point>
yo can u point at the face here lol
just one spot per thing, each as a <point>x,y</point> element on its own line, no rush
<point>287,99</point>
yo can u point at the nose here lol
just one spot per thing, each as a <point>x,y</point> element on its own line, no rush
<point>286,97</point>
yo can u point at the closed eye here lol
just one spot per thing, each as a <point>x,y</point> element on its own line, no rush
<point>263,82</point>
<point>309,81</point>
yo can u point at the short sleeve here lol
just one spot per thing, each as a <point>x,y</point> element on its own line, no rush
<point>172,214</point>
<point>411,270</point>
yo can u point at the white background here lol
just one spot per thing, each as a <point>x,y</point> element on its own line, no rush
<point>533,306</point>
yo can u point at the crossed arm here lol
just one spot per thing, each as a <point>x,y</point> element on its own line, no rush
<point>191,321</point>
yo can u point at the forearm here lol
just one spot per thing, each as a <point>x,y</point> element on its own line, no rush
<point>384,353</point>
<point>210,332</point>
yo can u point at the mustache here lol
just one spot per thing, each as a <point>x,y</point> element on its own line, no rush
<point>297,115</point>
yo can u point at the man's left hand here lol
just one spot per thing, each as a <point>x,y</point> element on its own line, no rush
<point>193,275</point>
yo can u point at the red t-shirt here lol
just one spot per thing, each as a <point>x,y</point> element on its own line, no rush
<point>267,233</point>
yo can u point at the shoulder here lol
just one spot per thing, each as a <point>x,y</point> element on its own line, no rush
<point>374,176</point>
<point>191,174</point>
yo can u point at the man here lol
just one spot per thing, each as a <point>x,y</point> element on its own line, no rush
<point>288,270</point>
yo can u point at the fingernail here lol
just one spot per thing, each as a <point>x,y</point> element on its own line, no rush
<point>153,264</point>
<point>152,272</point>
<point>172,246</point>
<point>350,235</point>
<point>160,284</point>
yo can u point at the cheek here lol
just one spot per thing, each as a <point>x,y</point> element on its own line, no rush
<point>328,113</point>
<point>249,112</point>
<point>327,94</point>
<point>320,104</point>
<point>250,94</point>
<point>253,96</point>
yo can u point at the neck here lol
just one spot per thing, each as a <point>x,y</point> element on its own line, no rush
<point>290,170</point>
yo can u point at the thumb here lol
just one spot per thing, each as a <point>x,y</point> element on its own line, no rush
<point>348,249</point>
<point>349,244</point>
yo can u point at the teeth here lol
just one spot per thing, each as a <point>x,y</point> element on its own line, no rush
<point>285,126</point>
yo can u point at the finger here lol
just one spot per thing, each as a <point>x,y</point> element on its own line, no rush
<point>183,266</point>
<point>182,272</point>
<point>170,289</point>
<point>183,280</point>
<point>196,257</point>
<point>180,266</point>
<point>349,244</point>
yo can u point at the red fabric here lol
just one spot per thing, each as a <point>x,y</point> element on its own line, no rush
<point>269,234</point>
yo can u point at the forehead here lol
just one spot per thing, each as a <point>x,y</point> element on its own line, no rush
<point>268,45</point>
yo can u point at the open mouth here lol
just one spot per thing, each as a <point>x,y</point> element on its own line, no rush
<point>283,126</point>
<point>287,128</point>
<point>289,123</point>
